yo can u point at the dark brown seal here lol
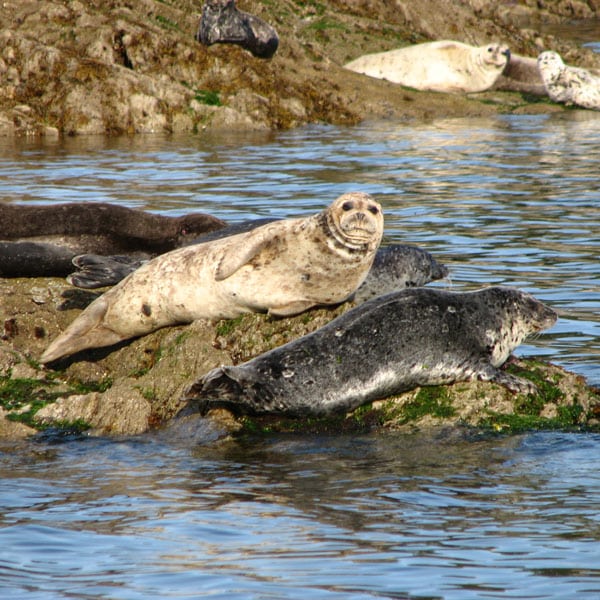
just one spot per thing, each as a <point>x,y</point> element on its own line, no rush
<point>388,345</point>
<point>222,23</point>
<point>41,240</point>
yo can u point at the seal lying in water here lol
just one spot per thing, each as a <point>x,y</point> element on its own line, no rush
<point>38,241</point>
<point>386,346</point>
<point>222,23</point>
<point>283,268</point>
<point>569,85</point>
<point>442,66</point>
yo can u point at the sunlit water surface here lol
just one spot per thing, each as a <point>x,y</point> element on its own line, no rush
<point>508,200</point>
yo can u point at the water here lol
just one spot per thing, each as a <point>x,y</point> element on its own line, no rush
<point>510,200</point>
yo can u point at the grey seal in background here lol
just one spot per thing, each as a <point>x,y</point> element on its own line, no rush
<point>222,23</point>
<point>283,268</point>
<point>41,240</point>
<point>441,66</point>
<point>569,85</point>
<point>388,345</point>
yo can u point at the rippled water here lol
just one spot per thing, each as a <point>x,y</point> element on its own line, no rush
<point>512,200</point>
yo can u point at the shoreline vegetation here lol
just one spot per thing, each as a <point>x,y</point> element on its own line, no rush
<point>114,67</point>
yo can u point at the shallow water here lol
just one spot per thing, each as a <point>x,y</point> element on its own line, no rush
<point>511,200</point>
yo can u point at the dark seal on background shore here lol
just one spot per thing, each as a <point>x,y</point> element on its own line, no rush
<point>386,346</point>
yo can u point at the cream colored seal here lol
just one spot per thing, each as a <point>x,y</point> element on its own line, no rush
<point>442,66</point>
<point>568,85</point>
<point>283,268</point>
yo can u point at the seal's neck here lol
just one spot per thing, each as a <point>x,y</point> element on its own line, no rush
<point>336,238</point>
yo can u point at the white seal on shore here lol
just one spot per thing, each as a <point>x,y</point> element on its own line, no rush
<point>283,268</point>
<point>568,85</point>
<point>442,66</point>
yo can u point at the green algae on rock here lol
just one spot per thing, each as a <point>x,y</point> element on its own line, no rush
<point>138,386</point>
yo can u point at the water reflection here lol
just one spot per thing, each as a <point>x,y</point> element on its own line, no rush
<point>395,516</point>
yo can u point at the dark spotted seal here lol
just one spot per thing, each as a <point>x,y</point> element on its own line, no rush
<point>283,268</point>
<point>569,85</point>
<point>386,346</point>
<point>37,241</point>
<point>222,23</point>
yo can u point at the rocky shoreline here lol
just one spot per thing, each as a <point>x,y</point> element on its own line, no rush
<point>116,67</point>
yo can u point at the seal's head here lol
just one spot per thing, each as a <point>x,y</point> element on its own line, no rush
<point>520,315</point>
<point>355,220</point>
<point>495,56</point>
<point>550,65</point>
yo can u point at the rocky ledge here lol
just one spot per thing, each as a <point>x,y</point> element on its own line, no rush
<point>110,66</point>
<point>138,386</point>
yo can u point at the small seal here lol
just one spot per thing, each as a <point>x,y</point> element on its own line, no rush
<point>222,23</point>
<point>521,74</point>
<point>396,267</point>
<point>442,66</point>
<point>568,85</point>
<point>282,268</point>
<point>38,241</point>
<point>388,345</point>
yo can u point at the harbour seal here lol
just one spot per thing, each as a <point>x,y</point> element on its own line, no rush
<point>388,345</point>
<point>282,268</point>
<point>395,267</point>
<point>442,66</point>
<point>521,74</point>
<point>38,241</point>
<point>568,85</point>
<point>222,23</point>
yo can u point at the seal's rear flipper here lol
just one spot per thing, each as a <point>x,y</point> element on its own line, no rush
<point>217,389</point>
<point>100,271</point>
<point>85,332</point>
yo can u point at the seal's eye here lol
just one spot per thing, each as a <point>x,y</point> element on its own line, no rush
<point>373,210</point>
<point>347,206</point>
<point>490,49</point>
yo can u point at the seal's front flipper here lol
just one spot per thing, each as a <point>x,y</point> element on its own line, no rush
<point>242,251</point>
<point>292,308</point>
<point>515,384</point>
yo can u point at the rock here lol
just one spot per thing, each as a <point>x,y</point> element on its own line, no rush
<point>138,386</point>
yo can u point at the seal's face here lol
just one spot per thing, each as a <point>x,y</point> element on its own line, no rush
<point>550,65</point>
<point>521,315</point>
<point>355,219</point>
<point>496,55</point>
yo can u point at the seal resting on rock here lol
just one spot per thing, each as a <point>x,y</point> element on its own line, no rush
<point>442,66</point>
<point>38,241</point>
<point>388,345</point>
<point>395,267</point>
<point>222,23</point>
<point>521,74</point>
<point>282,268</point>
<point>568,85</point>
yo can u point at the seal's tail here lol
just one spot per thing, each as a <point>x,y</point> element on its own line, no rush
<point>96,271</point>
<point>220,388</point>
